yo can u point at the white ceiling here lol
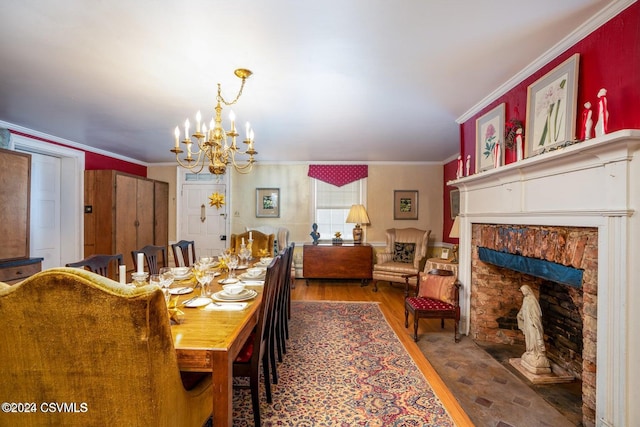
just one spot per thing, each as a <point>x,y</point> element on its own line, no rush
<point>334,80</point>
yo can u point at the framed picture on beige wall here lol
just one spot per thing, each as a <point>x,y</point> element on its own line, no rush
<point>405,204</point>
<point>267,203</point>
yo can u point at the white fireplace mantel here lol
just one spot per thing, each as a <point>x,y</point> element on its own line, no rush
<point>591,184</point>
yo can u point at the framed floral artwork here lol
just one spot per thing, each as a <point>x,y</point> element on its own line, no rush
<point>551,108</point>
<point>267,203</point>
<point>405,204</point>
<point>490,139</point>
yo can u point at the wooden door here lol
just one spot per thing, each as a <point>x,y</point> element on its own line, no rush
<point>126,239</point>
<point>161,212</point>
<point>144,212</point>
<point>15,175</point>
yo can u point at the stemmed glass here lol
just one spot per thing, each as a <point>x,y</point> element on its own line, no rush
<point>166,279</point>
<point>233,264</point>
<point>244,256</point>
<point>204,275</point>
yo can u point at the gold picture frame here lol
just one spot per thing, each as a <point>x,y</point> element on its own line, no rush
<point>267,203</point>
<point>405,204</point>
<point>551,108</point>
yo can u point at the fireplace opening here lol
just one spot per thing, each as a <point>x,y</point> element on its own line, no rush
<point>568,303</point>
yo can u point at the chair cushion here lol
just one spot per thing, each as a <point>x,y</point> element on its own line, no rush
<point>437,287</point>
<point>404,252</point>
<point>420,303</point>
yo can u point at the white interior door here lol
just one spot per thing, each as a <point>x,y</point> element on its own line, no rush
<point>45,209</point>
<point>200,222</point>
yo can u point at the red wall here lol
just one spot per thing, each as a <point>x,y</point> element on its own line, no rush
<point>609,58</point>
<point>98,161</point>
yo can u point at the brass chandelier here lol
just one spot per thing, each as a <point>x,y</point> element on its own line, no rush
<point>213,146</point>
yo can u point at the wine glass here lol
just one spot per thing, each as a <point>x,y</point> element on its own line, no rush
<point>233,264</point>
<point>244,256</point>
<point>166,279</point>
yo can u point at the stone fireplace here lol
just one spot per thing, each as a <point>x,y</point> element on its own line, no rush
<point>572,210</point>
<point>569,306</point>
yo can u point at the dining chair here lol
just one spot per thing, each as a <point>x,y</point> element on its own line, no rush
<point>437,296</point>
<point>255,349</point>
<point>134,381</point>
<point>184,253</point>
<point>261,242</point>
<point>151,254</point>
<point>104,265</point>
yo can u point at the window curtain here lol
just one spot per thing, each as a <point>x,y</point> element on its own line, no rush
<point>338,175</point>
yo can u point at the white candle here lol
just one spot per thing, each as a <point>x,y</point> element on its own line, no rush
<point>186,129</point>
<point>140,262</point>
<point>232,117</point>
<point>198,119</point>
<point>250,235</point>
<point>122,274</point>
<point>243,241</point>
<point>248,130</point>
<point>177,134</point>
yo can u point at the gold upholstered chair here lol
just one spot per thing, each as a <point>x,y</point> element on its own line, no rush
<point>404,254</point>
<point>261,242</point>
<point>76,338</point>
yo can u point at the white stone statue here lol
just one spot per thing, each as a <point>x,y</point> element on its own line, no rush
<point>519,145</point>
<point>468,164</point>
<point>534,358</point>
<point>587,121</point>
<point>602,125</point>
<point>459,169</point>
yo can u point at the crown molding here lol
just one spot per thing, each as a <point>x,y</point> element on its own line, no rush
<point>592,24</point>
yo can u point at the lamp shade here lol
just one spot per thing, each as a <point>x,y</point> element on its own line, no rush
<point>357,215</point>
<point>455,229</point>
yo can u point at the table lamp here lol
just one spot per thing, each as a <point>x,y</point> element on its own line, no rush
<point>357,215</point>
<point>455,234</point>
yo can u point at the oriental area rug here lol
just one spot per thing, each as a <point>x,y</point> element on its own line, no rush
<point>344,366</point>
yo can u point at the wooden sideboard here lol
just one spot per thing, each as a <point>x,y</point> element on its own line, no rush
<point>345,261</point>
<point>17,270</point>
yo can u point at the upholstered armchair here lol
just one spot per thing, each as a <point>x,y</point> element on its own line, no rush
<point>281,235</point>
<point>261,242</point>
<point>73,337</point>
<point>405,254</point>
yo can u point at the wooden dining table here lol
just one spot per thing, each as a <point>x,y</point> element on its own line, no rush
<point>210,340</point>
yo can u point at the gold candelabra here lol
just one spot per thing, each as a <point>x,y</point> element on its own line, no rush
<point>213,144</point>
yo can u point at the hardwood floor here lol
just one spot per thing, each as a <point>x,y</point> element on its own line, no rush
<point>391,301</point>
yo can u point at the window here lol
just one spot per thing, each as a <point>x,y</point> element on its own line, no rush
<point>332,206</point>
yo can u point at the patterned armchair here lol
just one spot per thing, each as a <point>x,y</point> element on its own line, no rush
<point>405,254</point>
<point>70,335</point>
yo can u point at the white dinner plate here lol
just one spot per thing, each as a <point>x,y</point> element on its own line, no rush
<point>247,294</point>
<point>183,277</point>
<point>246,277</point>
<point>180,291</point>
<point>197,302</point>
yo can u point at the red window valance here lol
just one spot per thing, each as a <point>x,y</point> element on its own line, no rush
<point>338,175</point>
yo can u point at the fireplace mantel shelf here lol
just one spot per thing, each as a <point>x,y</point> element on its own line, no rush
<point>594,152</point>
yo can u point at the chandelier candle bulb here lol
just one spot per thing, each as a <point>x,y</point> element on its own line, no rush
<point>186,129</point>
<point>177,134</point>
<point>198,120</point>
<point>232,117</point>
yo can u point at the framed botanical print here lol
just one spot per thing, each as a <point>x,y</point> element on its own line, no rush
<point>551,108</point>
<point>490,139</point>
<point>405,204</point>
<point>267,203</point>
